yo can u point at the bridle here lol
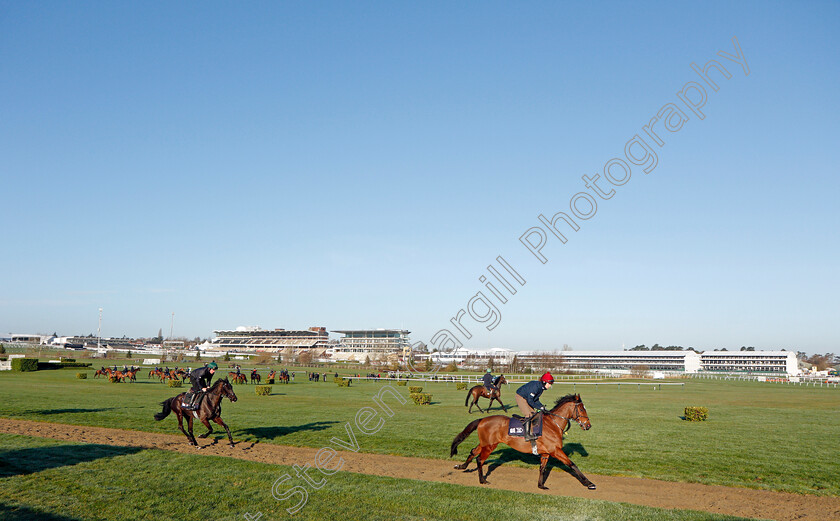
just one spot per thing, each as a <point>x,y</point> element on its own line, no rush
<point>575,417</point>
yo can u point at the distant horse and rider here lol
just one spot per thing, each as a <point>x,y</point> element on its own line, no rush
<point>482,391</point>
<point>237,378</point>
<point>117,375</point>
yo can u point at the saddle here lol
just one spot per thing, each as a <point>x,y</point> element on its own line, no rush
<point>191,401</point>
<point>528,429</point>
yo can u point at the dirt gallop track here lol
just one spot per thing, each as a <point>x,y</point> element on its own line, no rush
<point>662,494</point>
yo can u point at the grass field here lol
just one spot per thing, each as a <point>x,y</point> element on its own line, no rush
<point>47,480</point>
<point>758,435</point>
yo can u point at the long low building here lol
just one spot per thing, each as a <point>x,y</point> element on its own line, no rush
<point>690,362</point>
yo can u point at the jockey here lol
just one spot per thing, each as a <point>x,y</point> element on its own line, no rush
<point>237,370</point>
<point>488,381</point>
<point>201,378</point>
<point>528,400</point>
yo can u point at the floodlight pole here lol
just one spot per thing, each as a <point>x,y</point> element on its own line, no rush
<point>99,331</point>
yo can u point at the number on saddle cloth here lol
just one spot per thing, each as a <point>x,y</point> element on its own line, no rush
<point>516,426</point>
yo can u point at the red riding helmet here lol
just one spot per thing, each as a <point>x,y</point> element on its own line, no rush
<point>547,378</point>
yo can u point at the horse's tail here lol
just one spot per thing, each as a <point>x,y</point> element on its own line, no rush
<point>167,408</point>
<point>464,435</point>
<point>467,401</point>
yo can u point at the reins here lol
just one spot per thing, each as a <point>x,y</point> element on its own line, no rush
<point>568,420</point>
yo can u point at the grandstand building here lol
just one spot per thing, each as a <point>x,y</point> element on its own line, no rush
<point>255,339</point>
<point>378,344</point>
<point>750,362</point>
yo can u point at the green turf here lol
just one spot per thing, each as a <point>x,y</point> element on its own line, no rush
<point>50,480</point>
<point>758,435</point>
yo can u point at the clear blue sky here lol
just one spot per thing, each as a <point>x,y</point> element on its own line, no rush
<point>296,164</point>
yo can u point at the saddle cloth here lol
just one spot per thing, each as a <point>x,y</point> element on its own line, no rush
<point>516,426</point>
<point>185,403</point>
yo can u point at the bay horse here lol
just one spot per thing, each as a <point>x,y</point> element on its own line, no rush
<point>237,378</point>
<point>493,430</point>
<point>210,409</point>
<point>255,377</point>
<point>479,391</point>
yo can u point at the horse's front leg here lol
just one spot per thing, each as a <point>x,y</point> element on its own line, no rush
<point>209,428</point>
<point>564,459</point>
<point>543,471</point>
<point>485,453</point>
<point>221,422</point>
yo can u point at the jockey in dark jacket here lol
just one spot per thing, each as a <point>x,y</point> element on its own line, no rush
<point>488,381</point>
<point>201,378</point>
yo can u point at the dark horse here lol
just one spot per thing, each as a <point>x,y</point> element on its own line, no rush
<point>479,391</point>
<point>493,430</point>
<point>210,409</point>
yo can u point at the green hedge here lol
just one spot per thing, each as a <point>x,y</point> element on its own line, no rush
<point>262,390</point>
<point>24,365</point>
<point>342,382</point>
<point>415,389</point>
<point>696,414</point>
<point>81,376</point>
<point>338,380</point>
<point>62,365</point>
<point>421,398</point>
<point>175,383</point>
<point>460,386</point>
<point>402,383</point>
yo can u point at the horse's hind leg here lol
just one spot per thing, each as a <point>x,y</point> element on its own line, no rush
<point>218,420</point>
<point>475,402</point>
<point>181,427</point>
<point>473,453</point>
<point>564,459</point>
<point>192,436</point>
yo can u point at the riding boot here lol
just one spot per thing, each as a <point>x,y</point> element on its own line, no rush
<point>529,433</point>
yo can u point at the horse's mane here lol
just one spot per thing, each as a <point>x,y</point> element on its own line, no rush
<point>219,382</point>
<point>565,399</point>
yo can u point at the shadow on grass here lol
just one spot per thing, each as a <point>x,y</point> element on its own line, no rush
<point>22,513</point>
<point>272,433</point>
<point>48,412</point>
<point>507,454</point>
<point>27,461</point>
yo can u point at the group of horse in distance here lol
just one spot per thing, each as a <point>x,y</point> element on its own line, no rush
<point>129,375</point>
